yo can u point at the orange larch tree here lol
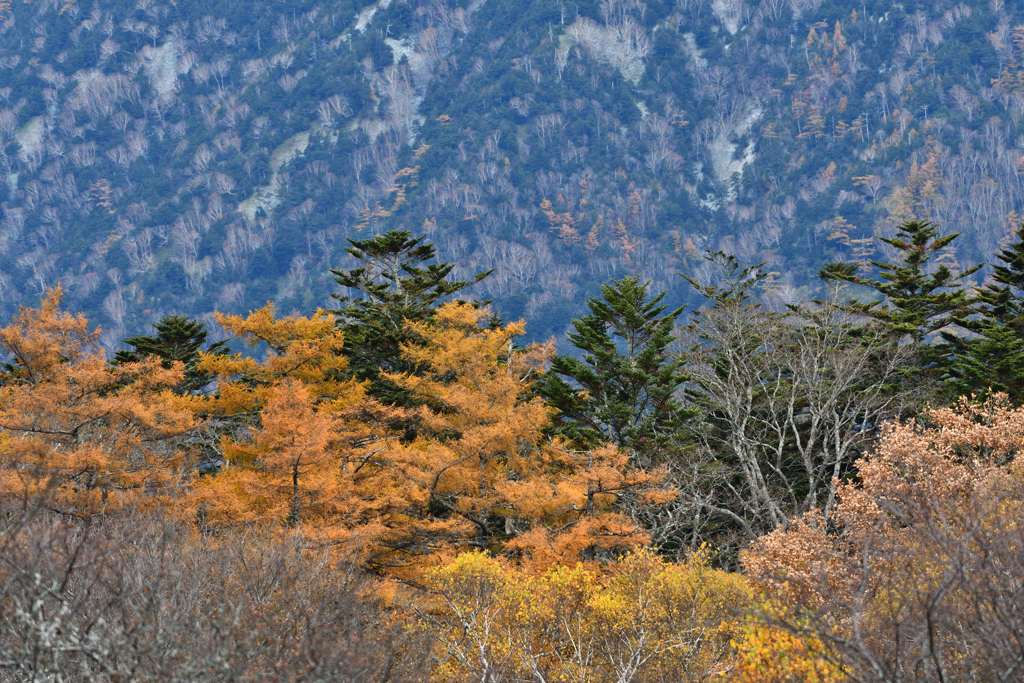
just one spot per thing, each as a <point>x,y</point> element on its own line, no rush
<point>78,435</point>
<point>287,471</point>
<point>479,471</point>
<point>307,349</point>
<point>288,427</point>
<point>470,467</point>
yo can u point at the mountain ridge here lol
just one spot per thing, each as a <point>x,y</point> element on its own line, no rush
<point>178,157</point>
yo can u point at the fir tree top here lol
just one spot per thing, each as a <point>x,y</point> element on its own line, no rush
<point>914,301</point>
<point>1002,298</point>
<point>398,285</point>
<point>622,389</point>
<point>177,338</point>
<point>396,278</point>
<point>991,359</point>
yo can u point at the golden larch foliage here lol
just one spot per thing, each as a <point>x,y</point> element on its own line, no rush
<point>480,472</point>
<point>288,472</point>
<point>284,460</point>
<point>307,349</point>
<point>84,437</point>
<point>410,488</point>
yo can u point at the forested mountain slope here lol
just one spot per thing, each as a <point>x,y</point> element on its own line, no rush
<point>191,156</point>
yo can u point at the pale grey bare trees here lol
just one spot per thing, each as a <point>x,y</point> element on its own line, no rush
<point>786,403</point>
<point>137,599</point>
<point>789,399</point>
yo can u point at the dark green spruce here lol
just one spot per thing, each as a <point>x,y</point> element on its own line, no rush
<point>177,338</point>
<point>991,359</point>
<point>395,283</point>
<point>622,389</point>
<point>913,301</point>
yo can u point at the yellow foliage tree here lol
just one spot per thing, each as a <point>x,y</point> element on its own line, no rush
<point>564,223</point>
<point>1011,78</point>
<point>772,655</point>
<point>922,194</point>
<point>642,619</point>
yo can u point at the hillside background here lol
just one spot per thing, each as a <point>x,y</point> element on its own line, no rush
<point>160,157</point>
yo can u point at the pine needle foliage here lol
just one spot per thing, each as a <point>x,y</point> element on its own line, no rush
<point>396,283</point>
<point>915,299</point>
<point>623,387</point>
<point>992,359</point>
<point>177,339</point>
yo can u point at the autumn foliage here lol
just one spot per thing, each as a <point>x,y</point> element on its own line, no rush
<point>502,551</point>
<point>921,578</point>
<point>469,468</point>
<point>281,427</point>
<point>647,620</point>
<point>85,437</point>
<point>480,473</point>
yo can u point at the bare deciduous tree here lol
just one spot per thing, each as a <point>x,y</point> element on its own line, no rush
<point>788,401</point>
<point>139,599</point>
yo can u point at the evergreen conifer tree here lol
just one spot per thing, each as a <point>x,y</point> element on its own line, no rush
<point>396,285</point>
<point>623,388</point>
<point>177,338</point>
<point>735,283</point>
<point>992,359</point>
<point>913,300</point>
